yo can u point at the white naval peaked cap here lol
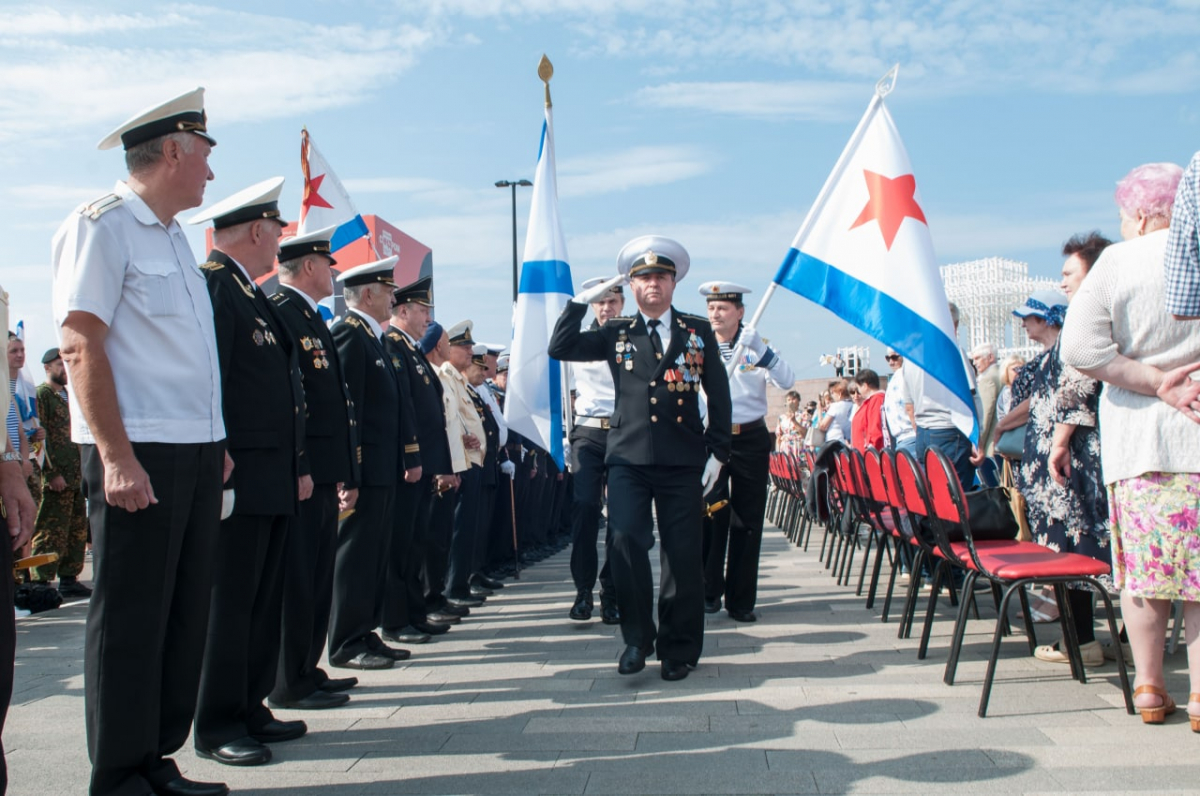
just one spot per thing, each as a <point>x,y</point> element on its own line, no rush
<point>494,348</point>
<point>479,350</point>
<point>502,363</point>
<point>460,333</point>
<point>182,114</point>
<point>259,201</point>
<point>653,253</point>
<point>378,272</point>
<point>723,291</point>
<point>616,290</point>
<point>316,242</point>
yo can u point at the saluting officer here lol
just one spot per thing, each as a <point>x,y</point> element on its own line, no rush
<point>659,451</point>
<point>136,325</point>
<point>305,278</point>
<point>405,616</point>
<point>263,400</point>
<point>739,525</point>
<point>364,537</point>
<point>595,398</point>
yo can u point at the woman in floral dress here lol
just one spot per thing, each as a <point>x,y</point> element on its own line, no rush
<point>789,433</point>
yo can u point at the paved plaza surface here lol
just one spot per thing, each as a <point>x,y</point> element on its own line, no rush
<point>816,697</point>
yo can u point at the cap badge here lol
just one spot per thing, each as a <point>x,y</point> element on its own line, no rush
<point>651,258</point>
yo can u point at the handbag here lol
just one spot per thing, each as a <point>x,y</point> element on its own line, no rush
<point>1011,444</point>
<point>990,514</point>
<point>1017,502</point>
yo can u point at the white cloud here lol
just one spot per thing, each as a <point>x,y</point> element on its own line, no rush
<point>52,83</point>
<point>636,167</point>
<point>818,100</point>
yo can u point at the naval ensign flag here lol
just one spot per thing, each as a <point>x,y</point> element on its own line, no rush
<point>533,403</point>
<point>865,252</point>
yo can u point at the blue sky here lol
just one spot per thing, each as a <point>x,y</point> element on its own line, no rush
<point>712,122</point>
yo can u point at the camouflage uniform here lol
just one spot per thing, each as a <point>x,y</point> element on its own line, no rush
<point>62,518</point>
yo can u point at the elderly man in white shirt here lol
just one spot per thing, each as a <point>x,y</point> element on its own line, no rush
<point>138,340</point>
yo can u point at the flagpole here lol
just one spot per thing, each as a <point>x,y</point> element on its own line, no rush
<point>882,88</point>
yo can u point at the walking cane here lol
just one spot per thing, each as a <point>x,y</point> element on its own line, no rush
<point>512,504</point>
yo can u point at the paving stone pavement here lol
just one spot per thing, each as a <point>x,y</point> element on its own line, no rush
<point>817,697</point>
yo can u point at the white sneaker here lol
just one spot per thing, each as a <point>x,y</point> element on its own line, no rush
<point>1091,652</point>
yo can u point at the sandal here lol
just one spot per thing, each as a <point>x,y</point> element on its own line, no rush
<point>1195,719</point>
<point>1159,713</point>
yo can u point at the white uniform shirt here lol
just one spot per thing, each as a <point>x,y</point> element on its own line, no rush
<point>595,393</point>
<point>748,384</point>
<point>140,278</point>
<point>459,393</point>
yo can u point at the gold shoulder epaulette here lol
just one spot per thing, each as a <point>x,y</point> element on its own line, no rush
<point>622,319</point>
<point>280,297</point>
<point>211,266</point>
<point>99,207</point>
<point>392,334</point>
<point>693,316</point>
<point>353,321</point>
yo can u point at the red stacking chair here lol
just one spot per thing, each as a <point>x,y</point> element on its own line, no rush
<point>1012,565</point>
<point>886,520</point>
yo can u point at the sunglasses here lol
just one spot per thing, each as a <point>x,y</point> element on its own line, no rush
<point>892,357</point>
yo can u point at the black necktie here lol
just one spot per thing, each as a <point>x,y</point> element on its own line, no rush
<point>655,340</point>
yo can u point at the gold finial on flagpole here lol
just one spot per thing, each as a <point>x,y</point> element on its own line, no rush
<point>545,72</point>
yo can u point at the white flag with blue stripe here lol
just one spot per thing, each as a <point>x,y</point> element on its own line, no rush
<point>865,252</point>
<point>533,403</point>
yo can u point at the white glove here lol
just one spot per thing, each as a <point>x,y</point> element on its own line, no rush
<point>595,293</point>
<point>712,471</point>
<point>751,339</point>
<point>509,469</point>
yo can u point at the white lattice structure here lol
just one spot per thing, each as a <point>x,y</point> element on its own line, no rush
<point>986,292</point>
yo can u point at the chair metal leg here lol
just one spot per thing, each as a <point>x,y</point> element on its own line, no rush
<point>1030,633</point>
<point>960,631</point>
<point>910,602</point>
<point>1070,639</point>
<point>940,573</point>
<point>1122,672</point>
<point>881,546</point>
<point>862,574</point>
<point>991,668</point>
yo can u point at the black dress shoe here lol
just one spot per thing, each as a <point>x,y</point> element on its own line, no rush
<point>442,618</point>
<point>242,752</point>
<point>581,611</point>
<point>186,787</point>
<point>334,684</point>
<point>452,610</point>
<point>486,582</point>
<point>365,660</point>
<point>712,606</point>
<point>406,635</point>
<point>633,660</point>
<point>317,700</point>
<point>674,670</point>
<point>462,601</point>
<point>609,614</point>
<point>393,653</point>
<point>71,587</point>
<point>430,628</point>
<point>276,731</point>
<point>742,616</point>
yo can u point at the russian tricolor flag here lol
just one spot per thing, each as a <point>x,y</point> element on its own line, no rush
<point>865,252</point>
<point>533,404</point>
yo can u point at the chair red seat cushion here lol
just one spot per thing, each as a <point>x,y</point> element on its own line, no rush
<point>1015,560</point>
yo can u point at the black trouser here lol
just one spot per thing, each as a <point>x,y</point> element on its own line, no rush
<point>404,597</point>
<point>675,494</point>
<point>437,551</point>
<point>307,595</point>
<point>487,509</point>
<point>8,640</point>
<point>241,656</point>
<point>587,464</point>
<point>466,532</point>
<point>358,573</point>
<point>148,615</point>
<point>500,531</point>
<point>738,526</point>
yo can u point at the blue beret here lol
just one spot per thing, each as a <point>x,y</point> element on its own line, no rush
<point>429,340</point>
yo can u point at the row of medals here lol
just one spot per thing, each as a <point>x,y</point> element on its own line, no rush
<point>683,378</point>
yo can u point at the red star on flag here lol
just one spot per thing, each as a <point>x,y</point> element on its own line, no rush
<point>891,202</point>
<point>311,197</point>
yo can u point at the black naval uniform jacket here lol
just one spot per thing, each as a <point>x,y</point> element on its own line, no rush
<point>262,397</point>
<point>375,393</point>
<point>330,431</point>
<point>430,449</point>
<point>657,416</point>
<point>491,449</point>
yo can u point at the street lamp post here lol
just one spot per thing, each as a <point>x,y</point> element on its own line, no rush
<point>513,184</point>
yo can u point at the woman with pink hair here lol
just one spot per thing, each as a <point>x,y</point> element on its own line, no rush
<point>1118,331</point>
